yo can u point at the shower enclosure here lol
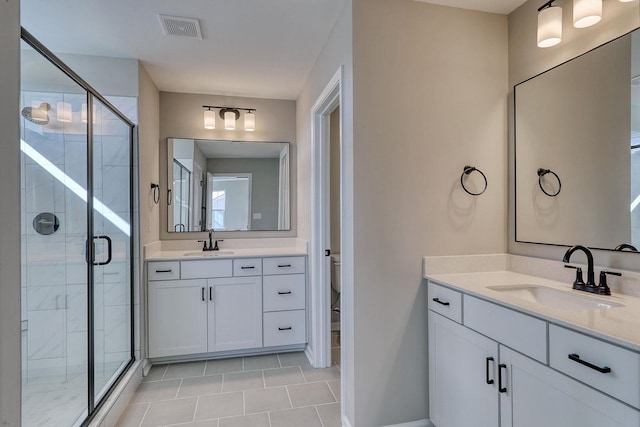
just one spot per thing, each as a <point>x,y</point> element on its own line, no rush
<point>76,166</point>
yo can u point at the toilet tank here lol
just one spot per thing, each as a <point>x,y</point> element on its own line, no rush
<point>335,272</point>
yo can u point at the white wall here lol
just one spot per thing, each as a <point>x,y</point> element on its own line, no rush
<point>527,60</point>
<point>10,383</point>
<point>430,96</point>
<point>181,116</point>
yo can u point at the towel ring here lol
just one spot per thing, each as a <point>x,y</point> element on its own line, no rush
<point>542,173</point>
<point>156,193</point>
<point>467,171</point>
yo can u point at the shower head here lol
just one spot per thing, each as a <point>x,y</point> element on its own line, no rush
<point>37,115</point>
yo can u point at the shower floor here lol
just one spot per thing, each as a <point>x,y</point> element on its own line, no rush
<point>57,400</point>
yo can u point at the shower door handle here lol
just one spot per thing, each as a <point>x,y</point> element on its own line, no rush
<point>109,250</point>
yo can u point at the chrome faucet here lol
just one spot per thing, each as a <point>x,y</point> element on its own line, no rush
<point>578,284</point>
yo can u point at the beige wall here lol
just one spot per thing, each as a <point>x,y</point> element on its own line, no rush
<point>336,55</point>
<point>527,60</point>
<point>430,96</point>
<point>10,378</point>
<point>148,149</point>
<point>181,116</point>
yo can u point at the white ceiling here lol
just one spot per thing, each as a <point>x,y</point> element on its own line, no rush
<point>254,48</point>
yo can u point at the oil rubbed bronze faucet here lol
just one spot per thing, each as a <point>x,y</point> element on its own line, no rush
<point>602,288</point>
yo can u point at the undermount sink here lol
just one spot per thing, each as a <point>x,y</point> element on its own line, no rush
<point>209,253</point>
<point>556,298</point>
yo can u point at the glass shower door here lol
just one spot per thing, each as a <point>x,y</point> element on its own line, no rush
<point>54,166</point>
<point>112,242</point>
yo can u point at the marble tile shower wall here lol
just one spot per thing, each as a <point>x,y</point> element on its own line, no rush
<point>54,272</point>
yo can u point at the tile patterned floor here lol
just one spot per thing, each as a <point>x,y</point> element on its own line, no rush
<point>275,390</point>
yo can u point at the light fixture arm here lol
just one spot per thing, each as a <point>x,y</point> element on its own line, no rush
<point>546,5</point>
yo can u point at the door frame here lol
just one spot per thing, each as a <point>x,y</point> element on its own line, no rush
<point>319,350</point>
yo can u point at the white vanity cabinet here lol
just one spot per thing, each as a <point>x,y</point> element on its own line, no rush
<point>491,368</point>
<point>177,317</point>
<point>211,306</point>
<point>234,313</point>
<point>462,375</point>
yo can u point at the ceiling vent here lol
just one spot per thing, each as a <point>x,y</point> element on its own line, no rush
<point>178,26</point>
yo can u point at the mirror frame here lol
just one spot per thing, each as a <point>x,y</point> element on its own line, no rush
<point>247,234</point>
<point>514,165</point>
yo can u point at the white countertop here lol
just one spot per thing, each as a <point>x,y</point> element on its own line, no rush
<point>223,253</point>
<point>620,325</point>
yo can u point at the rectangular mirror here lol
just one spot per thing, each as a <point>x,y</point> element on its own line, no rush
<point>577,150</point>
<point>227,185</point>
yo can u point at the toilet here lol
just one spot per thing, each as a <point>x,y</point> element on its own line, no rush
<point>335,295</point>
<point>335,273</point>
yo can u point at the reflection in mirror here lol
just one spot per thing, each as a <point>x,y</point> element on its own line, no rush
<point>227,185</point>
<point>581,120</point>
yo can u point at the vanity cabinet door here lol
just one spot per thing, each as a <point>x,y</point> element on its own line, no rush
<point>461,363</point>
<point>177,317</point>
<point>235,313</point>
<point>539,396</point>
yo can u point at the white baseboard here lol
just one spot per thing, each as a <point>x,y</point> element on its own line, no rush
<point>419,423</point>
<point>309,354</point>
<point>345,422</point>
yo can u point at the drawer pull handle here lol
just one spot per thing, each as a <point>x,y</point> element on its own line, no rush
<point>247,267</point>
<point>284,293</point>
<point>164,271</point>
<point>576,358</point>
<point>284,265</point>
<point>288,328</point>
<point>501,389</point>
<point>441,302</point>
<point>489,381</point>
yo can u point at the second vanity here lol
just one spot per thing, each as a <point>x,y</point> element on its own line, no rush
<point>513,349</point>
<point>208,304</point>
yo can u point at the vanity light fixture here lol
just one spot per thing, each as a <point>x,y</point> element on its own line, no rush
<point>586,13</point>
<point>64,112</point>
<point>549,25</point>
<point>230,115</point>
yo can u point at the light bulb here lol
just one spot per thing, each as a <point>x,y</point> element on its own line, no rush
<point>549,26</point>
<point>230,120</point>
<point>586,13</point>
<point>209,119</point>
<point>64,112</point>
<point>249,121</point>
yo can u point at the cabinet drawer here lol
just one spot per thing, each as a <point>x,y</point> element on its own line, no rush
<point>205,269</point>
<point>163,270</point>
<point>521,332</point>
<point>284,292</point>
<point>284,328</point>
<point>445,301</point>
<point>622,382</point>
<point>247,267</point>
<point>283,265</point>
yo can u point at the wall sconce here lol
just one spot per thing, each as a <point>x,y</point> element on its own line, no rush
<point>64,112</point>
<point>585,14</point>
<point>549,25</point>
<point>230,115</point>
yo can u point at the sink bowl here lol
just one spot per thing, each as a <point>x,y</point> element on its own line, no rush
<point>209,253</point>
<point>556,298</point>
